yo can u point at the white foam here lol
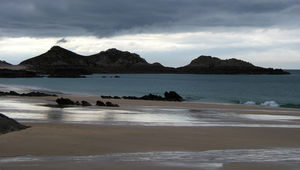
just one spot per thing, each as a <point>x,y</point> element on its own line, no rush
<point>270,104</point>
<point>249,103</point>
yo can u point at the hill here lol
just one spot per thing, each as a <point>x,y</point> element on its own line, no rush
<point>4,63</point>
<point>60,62</point>
<point>213,65</point>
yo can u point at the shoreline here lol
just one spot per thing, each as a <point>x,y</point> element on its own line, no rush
<point>131,103</point>
<point>75,95</point>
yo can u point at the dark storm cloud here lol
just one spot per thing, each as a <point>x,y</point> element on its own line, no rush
<point>104,18</point>
<point>61,41</point>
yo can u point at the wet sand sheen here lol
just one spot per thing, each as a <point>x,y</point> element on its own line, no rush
<point>71,139</point>
<point>79,139</point>
<point>211,159</point>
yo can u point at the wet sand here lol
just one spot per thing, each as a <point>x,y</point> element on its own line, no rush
<point>71,139</point>
<point>60,139</point>
<point>76,140</point>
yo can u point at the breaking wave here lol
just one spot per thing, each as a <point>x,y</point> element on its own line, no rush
<point>271,104</point>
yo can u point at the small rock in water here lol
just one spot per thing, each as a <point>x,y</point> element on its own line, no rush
<point>152,97</point>
<point>173,96</point>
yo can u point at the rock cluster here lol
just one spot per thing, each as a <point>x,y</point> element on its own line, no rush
<point>30,94</point>
<point>68,102</point>
<point>168,96</point>
<point>108,104</point>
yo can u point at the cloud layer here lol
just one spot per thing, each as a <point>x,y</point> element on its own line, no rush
<point>264,32</point>
<point>104,18</point>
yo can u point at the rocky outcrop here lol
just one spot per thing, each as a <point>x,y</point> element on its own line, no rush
<point>168,96</point>
<point>62,102</point>
<point>107,104</point>
<point>100,103</point>
<point>9,125</point>
<point>85,103</point>
<point>173,96</point>
<point>65,102</point>
<point>151,97</point>
<point>110,104</point>
<point>213,65</point>
<point>30,94</point>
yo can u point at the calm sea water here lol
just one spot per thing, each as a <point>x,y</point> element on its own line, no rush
<point>259,89</point>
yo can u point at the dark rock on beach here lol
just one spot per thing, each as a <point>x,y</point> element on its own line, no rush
<point>30,94</point>
<point>64,101</point>
<point>100,103</point>
<point>85,103</point>
<point>110,104</point>
<point>8,125</point>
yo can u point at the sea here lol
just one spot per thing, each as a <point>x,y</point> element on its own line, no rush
<point>267,90</point>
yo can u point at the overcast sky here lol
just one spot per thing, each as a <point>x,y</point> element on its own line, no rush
<point>172,32</point>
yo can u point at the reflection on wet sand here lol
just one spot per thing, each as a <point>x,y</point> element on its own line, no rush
<point>211,159</point>
<point>35,111</point>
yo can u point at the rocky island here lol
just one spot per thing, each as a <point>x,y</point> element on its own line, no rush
<point>60,62</point>
<point>214,65</point>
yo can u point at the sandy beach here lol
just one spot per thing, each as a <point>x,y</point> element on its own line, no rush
<point>62,139</point>
<point>75,139</point>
